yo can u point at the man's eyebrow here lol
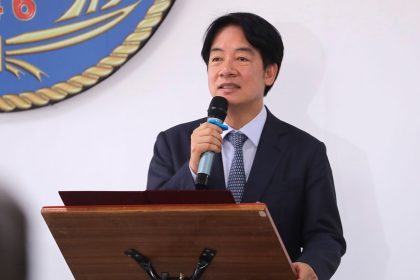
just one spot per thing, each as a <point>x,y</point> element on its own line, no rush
<point>241,49</point>
<point>216,50</point>
<point>245,49</point>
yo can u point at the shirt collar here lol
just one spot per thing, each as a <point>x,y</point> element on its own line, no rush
<point>252,129</point>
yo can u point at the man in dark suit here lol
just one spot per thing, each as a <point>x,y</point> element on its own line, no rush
<point>280,165</point>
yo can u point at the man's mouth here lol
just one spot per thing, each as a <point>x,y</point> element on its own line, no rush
<point>228,86</point>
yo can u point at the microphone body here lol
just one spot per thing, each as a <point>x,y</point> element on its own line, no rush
<point>216,115</point>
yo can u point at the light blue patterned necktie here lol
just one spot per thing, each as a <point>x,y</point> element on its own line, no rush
<point>237,178</point>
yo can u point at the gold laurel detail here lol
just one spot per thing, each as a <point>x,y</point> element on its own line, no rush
<point>51,33</point>
<point>92,6</point>
<point>15,71</point>
<point>28,67</point>
<point>110,4</point>
<point>94,74</point>
<point>74,11</point>
<point>63,30</point>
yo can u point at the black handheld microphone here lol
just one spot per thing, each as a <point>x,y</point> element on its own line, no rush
<point>216,114</point>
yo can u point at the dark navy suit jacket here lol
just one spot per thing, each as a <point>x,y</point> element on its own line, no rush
<point>290,174</point>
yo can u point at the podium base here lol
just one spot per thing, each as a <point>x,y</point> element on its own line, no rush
<point>203,263</point>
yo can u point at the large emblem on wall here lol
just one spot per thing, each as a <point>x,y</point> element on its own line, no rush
<point>52,50</point>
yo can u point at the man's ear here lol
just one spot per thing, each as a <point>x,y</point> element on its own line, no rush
<point>270,74</point>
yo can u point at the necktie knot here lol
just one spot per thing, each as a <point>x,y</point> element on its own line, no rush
<point>237,139</point>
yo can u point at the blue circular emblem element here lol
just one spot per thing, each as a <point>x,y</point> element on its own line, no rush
<point>51,50</point>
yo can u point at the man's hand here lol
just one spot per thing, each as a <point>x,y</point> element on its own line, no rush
<point>304,271</point>
<point>205,138</point>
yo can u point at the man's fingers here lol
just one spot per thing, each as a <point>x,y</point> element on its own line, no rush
<point>210,126</point>
<point>211,139</point>
<point>207,132</point>
<point>205,138</point>
<point>304,271</point>
<point>202,147</point>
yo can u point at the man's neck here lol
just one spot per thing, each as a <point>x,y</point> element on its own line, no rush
<point>237,117</point>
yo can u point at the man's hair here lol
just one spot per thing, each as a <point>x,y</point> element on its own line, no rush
<point>261,34</point>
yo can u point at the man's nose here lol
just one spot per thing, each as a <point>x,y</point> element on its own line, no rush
<point>228,69</point>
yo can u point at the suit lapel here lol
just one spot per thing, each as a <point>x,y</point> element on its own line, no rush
<point>267,158</point>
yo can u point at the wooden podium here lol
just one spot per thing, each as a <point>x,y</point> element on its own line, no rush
<point>97,241</point>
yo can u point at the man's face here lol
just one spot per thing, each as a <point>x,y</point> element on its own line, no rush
<point>236,71</point>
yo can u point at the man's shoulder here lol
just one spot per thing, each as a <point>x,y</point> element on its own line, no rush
<point>297,135</point>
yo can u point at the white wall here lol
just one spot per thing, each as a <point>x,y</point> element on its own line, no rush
<point>350,77</point>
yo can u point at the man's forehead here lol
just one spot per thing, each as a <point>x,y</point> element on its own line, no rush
<point>230,35</point>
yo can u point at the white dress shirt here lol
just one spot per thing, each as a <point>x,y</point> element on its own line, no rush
<point>253,131</point>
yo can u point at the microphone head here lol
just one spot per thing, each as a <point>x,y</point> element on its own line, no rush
<point>218,108</point>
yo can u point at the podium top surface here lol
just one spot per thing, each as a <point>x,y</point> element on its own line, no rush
<point>72,198</point>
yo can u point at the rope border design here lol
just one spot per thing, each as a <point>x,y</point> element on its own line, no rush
<point>95,74</point>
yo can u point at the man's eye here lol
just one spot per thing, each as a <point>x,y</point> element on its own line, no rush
<point>243,59</point>
<point>215,59</point>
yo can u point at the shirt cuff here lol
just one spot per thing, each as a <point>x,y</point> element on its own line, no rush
<point>194,176</point>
